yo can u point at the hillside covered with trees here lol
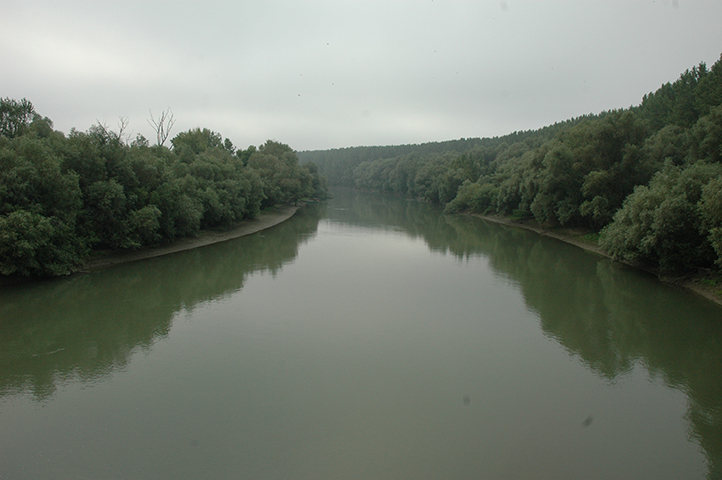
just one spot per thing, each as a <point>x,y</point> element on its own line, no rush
<point>647,178</point>
<point>61,197</point>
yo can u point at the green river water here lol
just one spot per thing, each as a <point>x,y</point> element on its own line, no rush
<point>368,337</point>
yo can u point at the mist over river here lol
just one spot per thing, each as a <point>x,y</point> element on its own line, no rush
<point>368,336</point>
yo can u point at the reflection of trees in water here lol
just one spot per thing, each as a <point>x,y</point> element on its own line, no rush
<point>599,311</point>
<point>606,316</point>
<point>680,341</point>
<point>88,326</point>
<point>366,209</point>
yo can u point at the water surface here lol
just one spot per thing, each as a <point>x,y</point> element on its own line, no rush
<point>367,337</point>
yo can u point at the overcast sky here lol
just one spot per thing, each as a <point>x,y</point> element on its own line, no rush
<point>336,73</point>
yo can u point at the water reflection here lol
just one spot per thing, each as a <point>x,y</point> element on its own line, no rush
<point>612,318</point>
<point>88,326</point>
<point>608,316</point>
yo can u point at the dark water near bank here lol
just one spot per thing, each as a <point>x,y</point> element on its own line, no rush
<point>367,337</point>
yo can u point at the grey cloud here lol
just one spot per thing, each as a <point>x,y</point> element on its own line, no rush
<point>327,74</point>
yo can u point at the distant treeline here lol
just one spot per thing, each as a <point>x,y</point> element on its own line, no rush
<point>648,178</point>
<point>63,196</point>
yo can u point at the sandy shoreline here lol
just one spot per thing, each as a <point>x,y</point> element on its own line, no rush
<point>266,220</point>
<point>691,284</point>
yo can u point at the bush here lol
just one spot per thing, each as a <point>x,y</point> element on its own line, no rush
<point>664,224</point>
<point>34,245</point>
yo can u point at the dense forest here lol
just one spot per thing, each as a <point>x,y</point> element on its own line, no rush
<point>63,197</point>
<point>647,178</point>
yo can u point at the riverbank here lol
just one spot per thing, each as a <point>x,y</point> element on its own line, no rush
<point>708,288</point>
<point>99,260</point>
<point>267,219</point>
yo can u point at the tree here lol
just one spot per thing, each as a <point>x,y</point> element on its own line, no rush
<point>106,207</point>
<point>144,226</point>
<point>710,206</point>
<point>277,149</point>
<point>41,126</point>
<point>707,136</point>
<point>35,245</point>
<point>15,116</point>
<point>196,141</point>
<point>228,145</point>
<point>61,196</point>
<point>473,197</point>
<point>284,180</point>
<point>244,155</point>
<point>663,224</point>
<point>31,179</point>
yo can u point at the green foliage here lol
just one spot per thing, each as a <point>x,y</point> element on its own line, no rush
<point>144,226</point>
<point>61,196</point>
<point>41,126</point>
<point>473,197</point>
<point>594,171</point>
<point>35,245</point>
<point>181,211</point>
<point>591,238</point>
<point>560,181</point>
<point>671,142</point>
<point>196,141</point>
<point>646,176</point>
<point>106,209</point>
<point>706,136</point>
<point>244,155</point>
<point>15,117</point>
<point>682,102</point>
<point>283,179</point>
<point>665,224</point>
<point>31,179</point>
<point>519,214</point>
<point>585,172</point>
<point>710,207</point>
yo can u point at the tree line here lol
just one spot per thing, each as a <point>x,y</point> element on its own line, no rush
<point>647,178</point>
<point>65,196</point>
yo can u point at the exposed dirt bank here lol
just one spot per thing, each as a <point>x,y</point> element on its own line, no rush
<point>267,219</point>
<point>576,237</point>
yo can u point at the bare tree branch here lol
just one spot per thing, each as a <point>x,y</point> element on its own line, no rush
<point>163,125</point>
<point>122,125</point>
<point>102,131</point>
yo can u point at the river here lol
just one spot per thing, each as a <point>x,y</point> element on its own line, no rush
<point>366,337</point>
